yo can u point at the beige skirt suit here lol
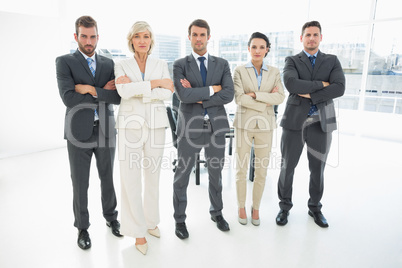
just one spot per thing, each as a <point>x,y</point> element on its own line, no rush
<point>254,124</point>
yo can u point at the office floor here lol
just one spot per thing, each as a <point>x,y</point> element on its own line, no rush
<point>362,203</point>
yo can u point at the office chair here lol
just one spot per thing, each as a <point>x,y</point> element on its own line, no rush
<point>173,123</point>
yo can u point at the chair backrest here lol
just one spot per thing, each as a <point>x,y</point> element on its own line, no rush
<point>172,122</point>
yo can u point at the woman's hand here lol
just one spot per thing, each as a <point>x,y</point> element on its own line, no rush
<point>163,83</point>
<point>168,84</point>
<point>123,80</point>
<point>252,94</point>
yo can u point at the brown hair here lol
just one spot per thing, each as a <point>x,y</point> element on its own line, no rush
<point>199,23</point>
<point>313,23</point>
<point>87,22</point>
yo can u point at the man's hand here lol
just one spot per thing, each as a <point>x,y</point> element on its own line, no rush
<point>85,89</point>
<point>325,84</point>
<point>110,85</point>
<point>217,88</point>
<point>185,83</point>
<point>274,90</point>
<point>307,96</point>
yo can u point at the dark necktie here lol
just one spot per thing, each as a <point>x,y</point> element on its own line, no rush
<point>312,60</point>
<point>313,108</point>
<point>203,70</point>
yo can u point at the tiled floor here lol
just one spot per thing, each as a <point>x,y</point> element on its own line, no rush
<point>362,203</point>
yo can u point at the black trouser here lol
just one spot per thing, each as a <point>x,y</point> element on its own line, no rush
<point>292,143</point>
<point>80,156</point>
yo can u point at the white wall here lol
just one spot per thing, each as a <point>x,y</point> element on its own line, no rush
<point>32,111</point>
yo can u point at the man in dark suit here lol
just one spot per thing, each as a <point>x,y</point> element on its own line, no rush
<point>313,80</point>
<point>86,86</point>
<point>203,84</point>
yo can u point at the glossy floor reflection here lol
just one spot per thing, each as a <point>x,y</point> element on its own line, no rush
<point>362,203</point>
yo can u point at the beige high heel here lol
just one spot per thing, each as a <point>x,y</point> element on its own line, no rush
<point>155,232</point>
<point>142,248</point>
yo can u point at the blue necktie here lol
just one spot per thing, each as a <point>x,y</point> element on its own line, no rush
<point>312,60</point>
<point>90,61</point>
<point>203,72</point>
<point>313,108</point>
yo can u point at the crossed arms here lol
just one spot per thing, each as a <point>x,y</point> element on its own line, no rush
<point>317,91</point>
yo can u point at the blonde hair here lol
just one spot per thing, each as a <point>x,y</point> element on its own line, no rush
<point>139,27</point>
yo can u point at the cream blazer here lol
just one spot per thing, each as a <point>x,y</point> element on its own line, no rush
<point>139,104</point>
<point>249,110</point>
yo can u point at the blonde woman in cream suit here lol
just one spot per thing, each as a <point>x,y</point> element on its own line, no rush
<point>143,84</point>
<point>258,88</point>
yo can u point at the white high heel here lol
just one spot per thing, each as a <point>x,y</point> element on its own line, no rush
<point>253,221</point>
<point>242,221</point>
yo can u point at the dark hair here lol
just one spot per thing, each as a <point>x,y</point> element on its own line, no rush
<point>261,36</point>
<point>199,23</point>
<point>87,22</point>
<point>313,23</point>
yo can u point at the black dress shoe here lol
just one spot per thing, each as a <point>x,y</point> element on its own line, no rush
<point>319,219</point>
<point>181,230</point>
<point>115,226</point>
<point>282,217</point>
<point>221,223</point>
<point>84,241</point>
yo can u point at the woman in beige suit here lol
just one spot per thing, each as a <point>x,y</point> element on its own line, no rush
<point>143,83</point>
<point>258,88</point>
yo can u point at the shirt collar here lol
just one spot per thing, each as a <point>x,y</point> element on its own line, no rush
<point>195,55</point>
<point>250,65</point>
<point>86,57</point>
<point>308,54</point>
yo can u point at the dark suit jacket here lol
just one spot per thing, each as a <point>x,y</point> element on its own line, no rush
<point>191,113</point>
<point>300,78</point>
<point>73,69</point>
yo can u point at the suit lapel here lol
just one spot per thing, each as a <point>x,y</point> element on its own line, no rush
<point>318,61</point>
<point>253,78</point>
<point>84,63</point>
<point>210,70</point>
<point>196,71</point>
<point>303,57</point>
<point>135,69</point>
<point>265,75</point>
<point>149,68</point>
<point>98,70</point>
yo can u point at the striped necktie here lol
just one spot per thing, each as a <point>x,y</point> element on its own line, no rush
<point>90,65</point>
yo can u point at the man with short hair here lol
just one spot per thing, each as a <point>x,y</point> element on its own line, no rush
<point>313,80</point>
<point>203,84</point>
<point>87,88</point>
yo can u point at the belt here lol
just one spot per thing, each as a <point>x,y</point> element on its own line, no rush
<point>96,123</point>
